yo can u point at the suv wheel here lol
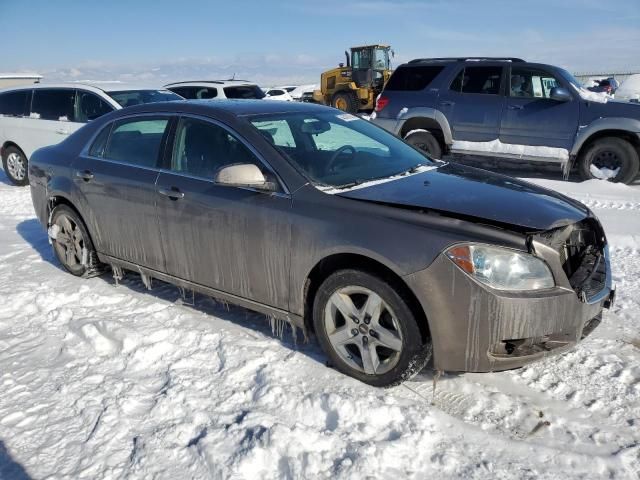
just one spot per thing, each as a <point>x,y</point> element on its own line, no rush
<point>367,329</point>
<point>15,166</point>
<point>345,101</point>
<point>613,159</point>
<point>424,140</point>
<point>72,244</point>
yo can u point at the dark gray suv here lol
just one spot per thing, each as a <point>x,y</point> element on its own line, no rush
<point>511,109</point>
<point>321,219</point>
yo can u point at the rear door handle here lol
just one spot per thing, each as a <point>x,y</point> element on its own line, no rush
<point>173,193</point>
<point>515,107</point>
<point>447,103</point>
<point>85,175</point>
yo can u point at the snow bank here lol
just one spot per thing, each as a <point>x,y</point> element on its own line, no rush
<point>99,381</point>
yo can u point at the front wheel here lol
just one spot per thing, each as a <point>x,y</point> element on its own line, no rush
<point>15,165</point>
<point>613,159</point>
<point>367,329</point>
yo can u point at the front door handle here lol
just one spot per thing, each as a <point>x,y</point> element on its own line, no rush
<point>515,107</point>
<point>447,103</point>
<point>85,175</point>
<point>173,193</point>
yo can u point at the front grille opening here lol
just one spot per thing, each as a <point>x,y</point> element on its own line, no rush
<point>523,347</point>
<point>581,250</point>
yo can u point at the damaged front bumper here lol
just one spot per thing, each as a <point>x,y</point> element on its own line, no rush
<point>475,328</point>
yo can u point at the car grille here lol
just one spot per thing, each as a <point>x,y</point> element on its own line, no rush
<point>583,258</point>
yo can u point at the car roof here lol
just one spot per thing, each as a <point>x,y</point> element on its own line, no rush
<point>91,87</point>
<point>200,83</point>
<point>234,107</point>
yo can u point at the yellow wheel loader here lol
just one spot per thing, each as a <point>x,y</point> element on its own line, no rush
<point>355,86</point>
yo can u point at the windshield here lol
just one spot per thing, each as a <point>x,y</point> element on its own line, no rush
<point>570,78</point>
<point>128,98</point>
<point>246,92</point>
<point>338,149</point>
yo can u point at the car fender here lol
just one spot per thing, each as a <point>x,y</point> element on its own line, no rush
<point>406,114</point>
<point>630,125</point>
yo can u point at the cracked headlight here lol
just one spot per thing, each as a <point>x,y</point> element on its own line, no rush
<point>502,268</point>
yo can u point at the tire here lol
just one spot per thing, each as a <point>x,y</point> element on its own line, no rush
<point>345,101</point>
<point>16,166</point>
<point>610,152</point>
<point>346,341</point>
<point>67,226</point>
<point>425,141</point>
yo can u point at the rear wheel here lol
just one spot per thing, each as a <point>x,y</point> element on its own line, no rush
<point>15,166</point>
<point>425,140</point>
<point>367,329</point>
<point>345,101</point>
<point>612,159</point>
<point>72,244</point>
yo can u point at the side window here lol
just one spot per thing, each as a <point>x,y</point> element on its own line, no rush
<point>483,80</point>
<point>277,132</point>
<point>15,104</point>
<point>136,141</point>
<point>201,148</point>
<point>204,93</point>
<point>99,144</point>
<point>54,104</point>
<point>531,83</point>
<point>413,78</point>
<point>89,107</point>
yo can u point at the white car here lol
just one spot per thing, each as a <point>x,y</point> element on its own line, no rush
<point>298,93</point>
<point>629,91</point>
<point>208,89</point>
<point>35,116</point>
<point>278,94</point>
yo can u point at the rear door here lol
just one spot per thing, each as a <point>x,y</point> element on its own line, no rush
<point>116,178</point>
<point>51,117</point>
<point>530,117</point>
<point>236,240</point>
<point>473,103</point>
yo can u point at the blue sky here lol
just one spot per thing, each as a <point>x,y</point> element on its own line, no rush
<point>292,41</point>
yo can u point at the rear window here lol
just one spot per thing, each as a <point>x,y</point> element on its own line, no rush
<point>244,92</point>
<point>413,78</point>
<point>14,104</point>
<point>484,80</point>
<point>129,98</point>
<point>136,141</point>
<point>193,93</point>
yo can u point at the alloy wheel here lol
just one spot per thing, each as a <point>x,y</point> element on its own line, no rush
<point>363,330</point>
<point>69,242</point>
<point>16,166</point>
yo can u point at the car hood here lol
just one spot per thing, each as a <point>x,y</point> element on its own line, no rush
<point>476,195</point>
<point>615,108</point>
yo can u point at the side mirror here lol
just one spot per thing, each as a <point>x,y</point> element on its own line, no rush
<point>560,94</point>
<point>244,175</point>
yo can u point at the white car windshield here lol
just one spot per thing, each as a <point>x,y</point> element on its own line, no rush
<point>338,149</point>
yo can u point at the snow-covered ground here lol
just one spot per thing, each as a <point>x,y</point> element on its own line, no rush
<point>106,381</point>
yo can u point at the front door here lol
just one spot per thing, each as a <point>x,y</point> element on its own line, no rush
<point>473,103</point>
<point>236,240</point>
<point>116,179</point>
<point>530,117</point>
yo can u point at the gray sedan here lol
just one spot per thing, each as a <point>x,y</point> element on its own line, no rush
<point>323,220</point>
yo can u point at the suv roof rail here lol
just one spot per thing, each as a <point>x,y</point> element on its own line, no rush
<point>194,81</point>
<point>463,59</point>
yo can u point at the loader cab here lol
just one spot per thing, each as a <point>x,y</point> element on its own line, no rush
<point>369,64</point>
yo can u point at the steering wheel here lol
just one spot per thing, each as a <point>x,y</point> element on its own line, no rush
<point>334,158</point>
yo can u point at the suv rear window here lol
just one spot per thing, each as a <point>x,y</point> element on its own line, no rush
<point>413,78</point>
<point>244,92</point>
<point>484,80</point>
<point>14,104</point>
